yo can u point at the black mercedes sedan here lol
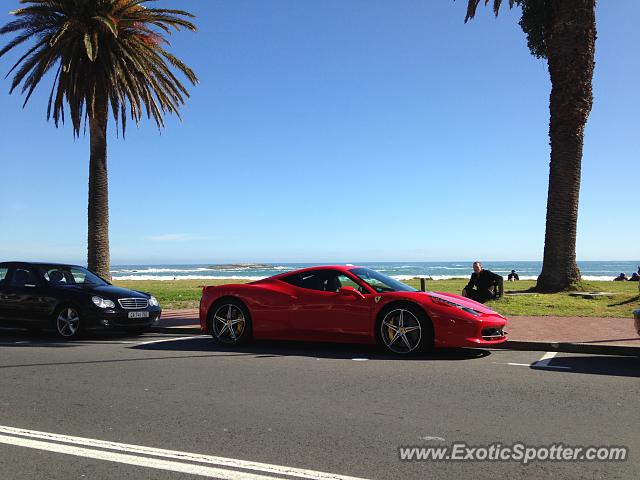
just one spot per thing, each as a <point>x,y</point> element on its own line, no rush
<point>70,299</point>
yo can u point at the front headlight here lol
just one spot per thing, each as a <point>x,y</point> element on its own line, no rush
<point>443,301</point>
<point>153,301</point>
<point>103,302</point>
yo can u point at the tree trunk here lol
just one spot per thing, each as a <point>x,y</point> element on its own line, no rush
<point>570,41</point>
<point>98,259</point>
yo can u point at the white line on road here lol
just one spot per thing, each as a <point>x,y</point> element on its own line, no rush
<point>546,359</point>
<point>188,461</point>
<point>542,363</point>
<point>170,340</point>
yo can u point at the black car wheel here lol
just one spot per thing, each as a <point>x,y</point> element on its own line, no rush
<point>230,323</point>
<point>405,330</point>
<point>68,323</point>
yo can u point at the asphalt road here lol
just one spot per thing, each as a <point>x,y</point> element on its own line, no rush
<point>343,410</point>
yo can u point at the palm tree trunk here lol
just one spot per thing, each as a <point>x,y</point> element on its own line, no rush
<point>570,39</point>
<point>98,259</point>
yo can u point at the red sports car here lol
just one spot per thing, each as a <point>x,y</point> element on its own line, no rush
<point>346,304</point>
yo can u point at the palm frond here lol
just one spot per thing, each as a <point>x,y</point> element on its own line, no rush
<point>103,52</point>
<point>472,6</point>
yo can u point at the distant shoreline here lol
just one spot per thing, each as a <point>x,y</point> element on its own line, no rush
<point>251,271</point>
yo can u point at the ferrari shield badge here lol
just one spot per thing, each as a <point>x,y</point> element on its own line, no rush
<point>377,299</point>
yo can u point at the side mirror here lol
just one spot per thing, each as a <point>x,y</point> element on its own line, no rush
<point>350,291</point>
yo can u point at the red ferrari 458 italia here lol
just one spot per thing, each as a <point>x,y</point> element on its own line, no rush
<point>350,305</point>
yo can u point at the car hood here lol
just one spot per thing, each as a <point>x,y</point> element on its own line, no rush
<point>109,291</point>
<point>464,301</point>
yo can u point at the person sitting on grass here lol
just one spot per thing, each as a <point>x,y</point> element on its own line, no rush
<point>621,278</point>
<point>513,276</point>
<point>483,285</point>
<point>635,277</point>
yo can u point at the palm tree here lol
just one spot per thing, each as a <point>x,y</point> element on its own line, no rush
<point>563,32</point>
<point>104,55</point>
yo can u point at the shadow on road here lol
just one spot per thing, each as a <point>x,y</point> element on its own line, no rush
<point>270,349</point>
<point>596,365</point>
<point>46,338</point>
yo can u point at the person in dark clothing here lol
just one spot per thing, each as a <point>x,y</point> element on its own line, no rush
<point>634,277</point>
<point>513,276</point>
<point>483,285</point>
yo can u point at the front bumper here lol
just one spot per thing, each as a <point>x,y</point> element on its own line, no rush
<point>119,318</point>
<point>483,331</point>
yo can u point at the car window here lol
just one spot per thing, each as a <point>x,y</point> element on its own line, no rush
<point>348,282</point>
<point>57,276</point>
<point>3,275</point>
<point>322,280</point>
<point>23,276</point>
<point>292,280</point>
<point>312,280</point>
<point>70,276</point>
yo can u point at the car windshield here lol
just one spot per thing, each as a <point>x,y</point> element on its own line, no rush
<point>379,282</point>
<point>64,275</point>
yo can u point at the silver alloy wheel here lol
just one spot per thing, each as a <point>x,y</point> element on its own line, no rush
<point>228,323</point>
<point>68,322</point>
<point>401,331</point>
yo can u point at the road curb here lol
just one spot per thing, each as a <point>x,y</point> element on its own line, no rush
<point>570,348</point>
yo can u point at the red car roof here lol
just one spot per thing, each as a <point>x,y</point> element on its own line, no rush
<point>340,268</point>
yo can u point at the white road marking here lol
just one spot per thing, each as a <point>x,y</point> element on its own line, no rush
<point>542,363</point>
<point>359,359</point>
<point>169,340</point>
<point>440,439</point>
<point>546,359</point>
<point>188,462</point>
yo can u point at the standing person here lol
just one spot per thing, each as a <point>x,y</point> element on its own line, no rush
<point>513,276</point>
<point>483,284</point>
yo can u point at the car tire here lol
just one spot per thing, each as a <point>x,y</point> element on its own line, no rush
<point>230,322</point>
<point>67,322</point>
<point>404,329</point>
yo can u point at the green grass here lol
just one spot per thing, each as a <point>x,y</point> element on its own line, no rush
<point>186,294</point>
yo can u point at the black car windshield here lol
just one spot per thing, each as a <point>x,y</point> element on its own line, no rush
<point>379,282</point>
<point>60,275</point>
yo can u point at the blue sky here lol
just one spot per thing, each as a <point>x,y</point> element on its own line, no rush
<point>337,130</point>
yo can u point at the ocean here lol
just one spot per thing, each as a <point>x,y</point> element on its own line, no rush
<point>592,270</point>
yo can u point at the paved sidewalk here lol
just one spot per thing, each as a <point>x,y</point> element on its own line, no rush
<point>613,336</point>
